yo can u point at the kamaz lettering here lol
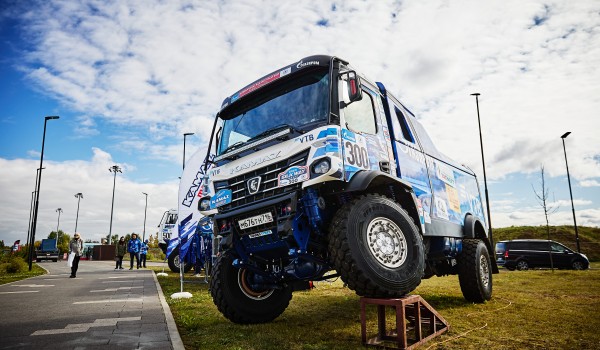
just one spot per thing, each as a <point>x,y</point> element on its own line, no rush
<point>255,162</point>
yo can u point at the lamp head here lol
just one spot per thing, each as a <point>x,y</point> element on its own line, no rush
<point>475,94</point>
<point>188,134</point>
<point>564,136</point>
<point>52,117</point>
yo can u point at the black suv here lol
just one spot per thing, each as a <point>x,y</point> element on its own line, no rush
<point>523,254</point>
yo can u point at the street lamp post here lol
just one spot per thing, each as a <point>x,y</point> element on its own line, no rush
<point>184,136</point>
<point>563,137</point>
<point>37,198</point>
<point>59,210</point>
<point>78,196</point>
<point>145,210</point>
<point>33,195</point>
<point>487,198</point>
<point>113,169</point>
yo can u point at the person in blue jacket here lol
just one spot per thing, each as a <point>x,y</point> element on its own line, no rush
<point>134,247</point>
<point>143,253</point>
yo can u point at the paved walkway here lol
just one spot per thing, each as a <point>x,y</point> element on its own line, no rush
<point>102,308</point>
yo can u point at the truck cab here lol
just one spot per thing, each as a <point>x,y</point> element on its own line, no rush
<point>318,172</point>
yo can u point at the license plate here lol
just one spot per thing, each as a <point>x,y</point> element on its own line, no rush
<point>255,221</point>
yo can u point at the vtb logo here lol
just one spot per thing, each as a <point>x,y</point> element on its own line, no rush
<point>253,185</point>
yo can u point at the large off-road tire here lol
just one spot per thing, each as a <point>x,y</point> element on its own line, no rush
<point>475,271</point>
<point>376,248</point>
<point>174,262</point>
<point>238,301</point>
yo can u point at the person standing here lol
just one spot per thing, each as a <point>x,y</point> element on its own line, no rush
<point>75,246</point>
<point>120,251</point>
<point>134,247</point>
<point>143,253</point>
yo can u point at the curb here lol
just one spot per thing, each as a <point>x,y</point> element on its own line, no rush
<point>173,332</point>
<point>47,273</point>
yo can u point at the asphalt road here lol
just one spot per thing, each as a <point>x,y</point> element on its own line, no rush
<point>102,308</point>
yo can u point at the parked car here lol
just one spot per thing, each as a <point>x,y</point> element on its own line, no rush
<point>523,254</point>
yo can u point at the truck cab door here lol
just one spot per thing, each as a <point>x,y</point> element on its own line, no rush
<point>365,136</point>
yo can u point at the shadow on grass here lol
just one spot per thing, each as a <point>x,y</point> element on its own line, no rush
<point>441,302</point>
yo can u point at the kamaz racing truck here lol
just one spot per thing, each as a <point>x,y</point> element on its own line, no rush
<point>319,172</point>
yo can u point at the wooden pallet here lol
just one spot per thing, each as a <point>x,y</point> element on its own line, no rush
<point>416,322</point>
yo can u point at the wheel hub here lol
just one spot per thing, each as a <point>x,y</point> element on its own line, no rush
<point>484,271</point>
<point>386,242</point>
<point>243,283</point>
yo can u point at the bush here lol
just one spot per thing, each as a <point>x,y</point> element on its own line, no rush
<point>15,265</point>
<point>155,254</point>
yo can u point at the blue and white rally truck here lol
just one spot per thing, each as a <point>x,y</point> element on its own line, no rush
<point>319,172</point>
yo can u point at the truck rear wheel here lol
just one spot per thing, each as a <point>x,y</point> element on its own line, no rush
<point>475,271</point>
<point>376,248</point>
<point>239,301</point>
<point>174,262</point>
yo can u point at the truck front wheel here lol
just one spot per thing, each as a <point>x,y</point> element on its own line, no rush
<point>475,271</point>
<point>239,300</point>
<point>376,248</point>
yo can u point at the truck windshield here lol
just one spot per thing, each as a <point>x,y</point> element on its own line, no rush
<point>299,104</point>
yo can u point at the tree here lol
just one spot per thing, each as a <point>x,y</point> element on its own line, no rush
<point>114,239</point>
<point>63,240</point>
<point>549,209</point>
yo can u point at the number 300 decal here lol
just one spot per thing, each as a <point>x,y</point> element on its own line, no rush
<point>357,155</point>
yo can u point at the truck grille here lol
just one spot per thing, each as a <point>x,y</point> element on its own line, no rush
<point>268,185</point>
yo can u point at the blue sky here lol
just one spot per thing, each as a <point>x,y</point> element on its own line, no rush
<point>128,78</point>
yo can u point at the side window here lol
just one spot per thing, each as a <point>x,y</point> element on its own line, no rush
<point>360,116</point>
<point>540,246</point>
<point>558,248</point>
<point>404,126</point>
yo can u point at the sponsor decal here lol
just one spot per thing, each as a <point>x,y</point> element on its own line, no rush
<point>255,162</point>
<point>304,138</point>
<point>441,208</point>
<point>445,174</point>
<point>308,63</point>
<point>221,198</point>
<point>267,80</point>
<point>285,72</point>
<point>293,175</point>
<point>453,198</point>
<point>260,234</point>
<point>348,135</point>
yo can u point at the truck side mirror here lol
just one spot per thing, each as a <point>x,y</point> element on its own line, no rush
<point>354,88</point>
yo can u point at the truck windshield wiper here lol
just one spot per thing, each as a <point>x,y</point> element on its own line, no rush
<point>234,146</point>
<point>273,130</point>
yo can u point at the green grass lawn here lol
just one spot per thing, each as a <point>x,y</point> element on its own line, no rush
<point>11,277</point>
<point>536,309</point>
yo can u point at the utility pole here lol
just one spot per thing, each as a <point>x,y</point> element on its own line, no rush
<point>113,169</point>
<point>487,198</point>
<point>37,197</point>
<point>563,137</point>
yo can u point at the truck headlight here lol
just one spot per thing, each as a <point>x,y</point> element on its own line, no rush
<point>321,166</point>
<point>204,204</point>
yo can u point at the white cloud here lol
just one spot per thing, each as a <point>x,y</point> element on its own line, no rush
<point>60,182</point>
<point>535,216</point>
<point>589,183</point>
